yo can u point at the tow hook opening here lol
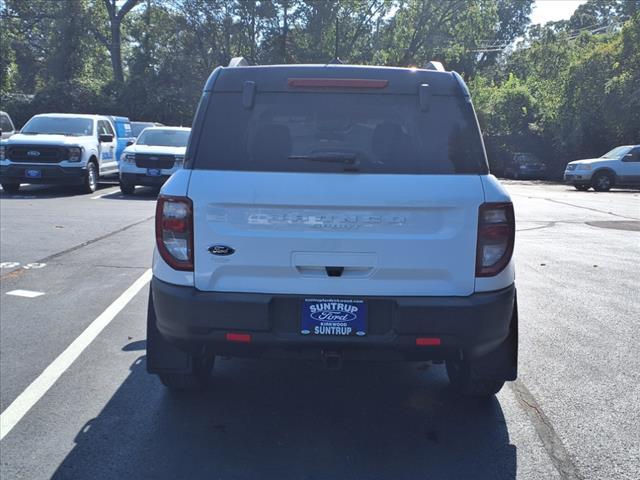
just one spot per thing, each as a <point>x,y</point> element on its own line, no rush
<point>332,359</point>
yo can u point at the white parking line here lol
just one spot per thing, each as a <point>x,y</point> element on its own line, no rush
<point>34,392</point>
<point>25,293</point>
<point>110,192</point>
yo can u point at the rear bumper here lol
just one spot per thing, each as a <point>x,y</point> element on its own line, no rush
<point>197,321</point>
<point>143,179</point>
<point>50,174</point>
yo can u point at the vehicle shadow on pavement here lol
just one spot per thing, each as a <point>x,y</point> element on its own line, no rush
<point>49,191</point>
<point>142,193</point>
<point>295,420</point>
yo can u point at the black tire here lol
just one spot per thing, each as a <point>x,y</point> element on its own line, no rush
<point>90,182</point>
<point>464,382</point>
<point>602,182</point>
<point>197,380</point>
<point>11,187</point>
<point>582,188</point>
<point>126,188</point>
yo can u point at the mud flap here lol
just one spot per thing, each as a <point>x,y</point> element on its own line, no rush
<point>501,363</point>
<point>163,357</point>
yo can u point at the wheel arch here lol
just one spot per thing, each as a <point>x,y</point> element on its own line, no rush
<point>608,170</point>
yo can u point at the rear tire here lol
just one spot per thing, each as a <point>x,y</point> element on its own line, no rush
<point>11,187</point>
<point>196,380</point>
<point>602,182</point>
<point>582,188</point>
<point>90,182</point>
<point>463,381</point>
<point>126,188</point>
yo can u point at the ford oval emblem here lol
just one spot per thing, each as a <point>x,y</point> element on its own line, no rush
<point>221,250</point>
<point>33,153</point>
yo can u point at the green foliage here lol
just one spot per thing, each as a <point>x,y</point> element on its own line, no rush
<point>566,90</point>
<point>581,90</point>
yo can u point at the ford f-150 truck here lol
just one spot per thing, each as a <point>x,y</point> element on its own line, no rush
<point>57,148</point>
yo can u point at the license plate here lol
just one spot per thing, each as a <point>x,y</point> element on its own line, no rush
<point>153,172</point>
<point>33,173</point>
<point>333,317</point>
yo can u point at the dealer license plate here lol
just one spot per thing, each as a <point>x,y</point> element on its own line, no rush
<point>333,317</point>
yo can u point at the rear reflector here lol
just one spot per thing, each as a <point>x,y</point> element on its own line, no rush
<point>336,83</point>
<point>428,341</point>
<point>239,337</point>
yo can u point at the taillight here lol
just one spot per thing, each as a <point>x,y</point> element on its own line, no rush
<point>174,231</point>
<point>496,235</point>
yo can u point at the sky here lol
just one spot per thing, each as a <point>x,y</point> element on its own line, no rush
<point>553,10</point>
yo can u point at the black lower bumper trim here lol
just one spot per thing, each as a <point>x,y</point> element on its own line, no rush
<point>49,174</point>
<point>142,179</point>
<point>196,320</point>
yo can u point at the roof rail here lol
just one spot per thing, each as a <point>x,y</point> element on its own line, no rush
<point>238,62</point>
<point>433,65</point>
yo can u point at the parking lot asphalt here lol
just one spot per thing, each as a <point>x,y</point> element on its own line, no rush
<point>76,345</point>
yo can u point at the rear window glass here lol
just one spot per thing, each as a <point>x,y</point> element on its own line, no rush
<point>334,132</point>
<point>5,123</point>
<point>138,127</point>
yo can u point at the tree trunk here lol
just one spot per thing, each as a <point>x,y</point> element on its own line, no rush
<point>285,28</point>
<point>114,44</point>
<point>116,51</point>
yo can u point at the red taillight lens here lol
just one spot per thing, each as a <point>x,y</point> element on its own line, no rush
<point>174,231</point>
<point>496,235</point>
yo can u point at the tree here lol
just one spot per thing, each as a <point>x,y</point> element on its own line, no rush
<point>113,39</point>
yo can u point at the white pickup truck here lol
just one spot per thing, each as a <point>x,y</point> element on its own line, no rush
<point>56,148</point>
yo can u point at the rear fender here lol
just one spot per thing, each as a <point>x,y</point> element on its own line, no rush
<point>162,357</point>
<point>501,363</point>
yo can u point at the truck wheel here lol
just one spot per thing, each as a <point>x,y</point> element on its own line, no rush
<point>582,188</point>
<point>463,380</point>
<point>126,188</point>
<point>189,381</point>
<point>90,183</point>
<point>602,182</point>
<point>11,187</point>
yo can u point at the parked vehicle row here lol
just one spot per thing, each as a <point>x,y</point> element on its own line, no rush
<point>619,167</point>
<point>76,149</point>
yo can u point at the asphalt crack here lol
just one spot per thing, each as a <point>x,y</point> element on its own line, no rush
<point>551,441</point>
<point>19,271</point>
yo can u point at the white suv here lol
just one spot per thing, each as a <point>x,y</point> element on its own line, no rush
<point>619,167</point>
<point>334,212</point>
<point>58,148</point>
<point>156,154</point>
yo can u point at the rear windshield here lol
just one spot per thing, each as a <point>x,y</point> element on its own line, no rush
<point>335,132</point>
<point>164,138</point>
<point>138,127</point>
